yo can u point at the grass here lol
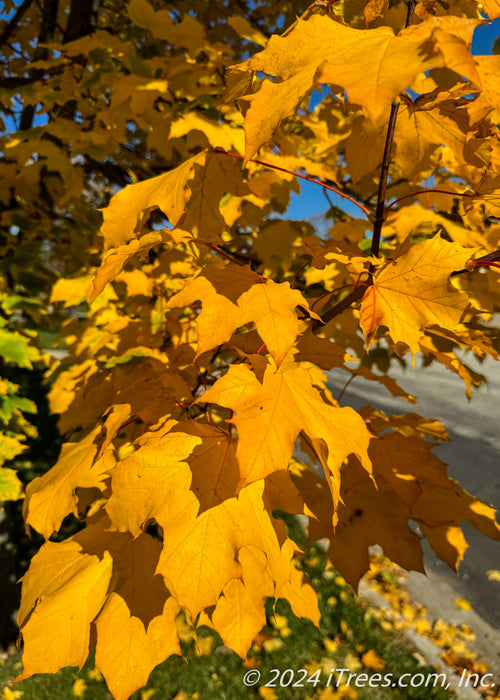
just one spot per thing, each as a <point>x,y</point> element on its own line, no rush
<point>350,636</point>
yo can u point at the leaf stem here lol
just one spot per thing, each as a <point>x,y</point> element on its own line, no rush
<point>488,259</point>
<point>353,376</point>
<point>489,263</point>
<point>415,194</point>
<point>386,161</point>
<point>294,278</point>
<point>136,419</point>
<point>303,177</point>
<point>219,250</point>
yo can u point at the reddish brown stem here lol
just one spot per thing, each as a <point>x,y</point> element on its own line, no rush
<point>344,304</point>
<point>294,278</point>
<point>303,177</point>
<point>487,259</point>
<point>225,255</point>
<point>129,422</point>
<point>489,263</point>
<point>415,194</point>
<point>345,387</point>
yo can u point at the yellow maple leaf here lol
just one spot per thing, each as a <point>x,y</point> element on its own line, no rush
<point>235,523</point>
<point>318,50</point>
<point>412,484</point>
<point>414,291</point>
<point>189,33</point>
<point>141,480</point>
<point>118,257</point>
<point>200,181</point>
<point>51,497</point>
<point>369,515</point>
<point>233,296</point>
<point>62,584</point>
<point>269,414</point>
<point>126,659</point>
<point>72,291</point>
<point>239,616</point>
<point>462,604</point>
<point>155,482</point>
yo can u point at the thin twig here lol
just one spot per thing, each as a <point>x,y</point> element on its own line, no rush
<point>294,278</point>
<point>488,260</point>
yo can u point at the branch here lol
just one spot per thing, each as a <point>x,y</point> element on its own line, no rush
<point>12,25</point>
<point>384,173</point>
<point>356,294</point>
<point>79,20</point>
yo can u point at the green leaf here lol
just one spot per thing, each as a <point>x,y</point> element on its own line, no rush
<point>15,348</point>
<point>11,488</point>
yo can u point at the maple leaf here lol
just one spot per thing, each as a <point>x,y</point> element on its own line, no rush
<point>233,296</point>
<point>62,584</point>
<point>214,467</point>
<point>127,659</point>
<point>319,50</point>
<point>369,514</point>
<point>118,257</point>
<point>51,497</point>
<point>412,485</point>
<point>414,291</point>
<point>201,181</point>
<point>269,415</point>
<point>240,614</point>
<point>140,480</point>
<point>154,482</point>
